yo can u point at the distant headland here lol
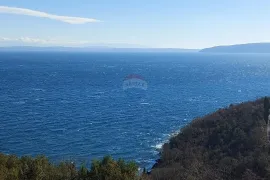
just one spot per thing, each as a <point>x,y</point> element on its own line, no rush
<point>239,48</point>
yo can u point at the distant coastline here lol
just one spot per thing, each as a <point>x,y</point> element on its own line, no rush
<point>90,49</point>
<point>239,48</point>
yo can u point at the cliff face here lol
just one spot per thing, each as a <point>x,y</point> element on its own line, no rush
<point>240,48</point>
<point>228,144</point>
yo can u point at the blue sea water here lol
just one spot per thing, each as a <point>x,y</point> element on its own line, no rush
<point>72,106</point>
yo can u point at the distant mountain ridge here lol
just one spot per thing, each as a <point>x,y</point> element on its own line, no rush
<point>239,48</point>
<point>92,49</point>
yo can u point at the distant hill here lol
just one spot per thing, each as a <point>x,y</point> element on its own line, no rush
<point>91,49</point>
<point>240,48</point>
<point>228,144</point>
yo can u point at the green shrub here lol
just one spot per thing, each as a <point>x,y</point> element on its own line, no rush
<point>39,168</point>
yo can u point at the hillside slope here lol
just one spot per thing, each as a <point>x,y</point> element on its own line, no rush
<point>228,144</point>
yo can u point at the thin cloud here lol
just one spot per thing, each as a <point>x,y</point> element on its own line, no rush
<point>4,39</point>
<point>30,40</point>
<point>29,12</point>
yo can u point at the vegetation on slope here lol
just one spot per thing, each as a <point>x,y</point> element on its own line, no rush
<point>228,144</point>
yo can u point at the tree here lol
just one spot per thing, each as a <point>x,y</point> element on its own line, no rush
<point>266,106</point>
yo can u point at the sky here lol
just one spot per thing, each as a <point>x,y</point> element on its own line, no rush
<point>139,23</point>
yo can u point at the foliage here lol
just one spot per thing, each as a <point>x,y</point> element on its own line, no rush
<point>228,144</point>
<point>39,168</point>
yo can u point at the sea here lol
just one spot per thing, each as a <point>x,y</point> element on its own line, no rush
<point>82,106</point>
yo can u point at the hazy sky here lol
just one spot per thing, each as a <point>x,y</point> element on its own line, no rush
<point>149,23</point>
